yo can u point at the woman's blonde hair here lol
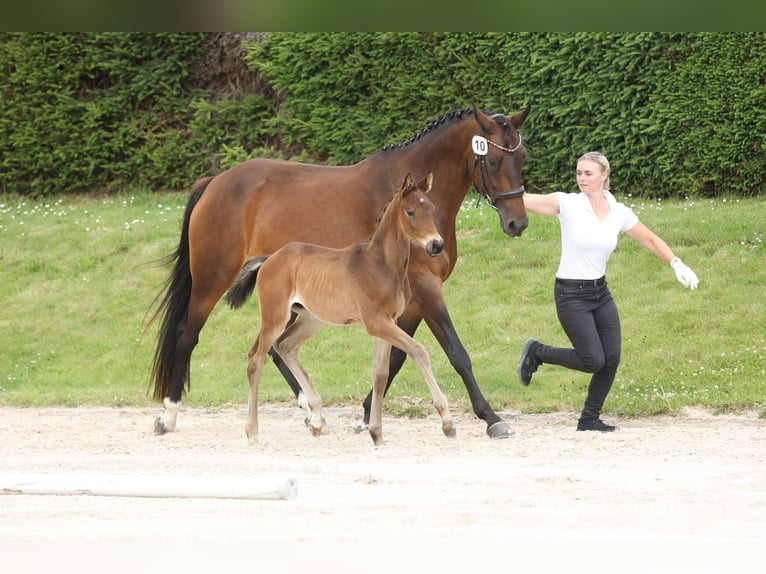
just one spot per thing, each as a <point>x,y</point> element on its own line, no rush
<point>600,159</point>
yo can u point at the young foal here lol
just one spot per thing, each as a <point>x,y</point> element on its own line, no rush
<point>363,283</point>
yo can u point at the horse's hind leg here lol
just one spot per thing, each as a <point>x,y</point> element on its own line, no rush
<point>187,336</point>
<point>207,260</point>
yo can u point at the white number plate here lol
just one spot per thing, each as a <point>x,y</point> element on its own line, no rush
<point>479,145</point>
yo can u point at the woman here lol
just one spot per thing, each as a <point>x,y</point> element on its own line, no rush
<point>590,223</point>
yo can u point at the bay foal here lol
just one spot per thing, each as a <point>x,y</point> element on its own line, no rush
<point>303,287</point>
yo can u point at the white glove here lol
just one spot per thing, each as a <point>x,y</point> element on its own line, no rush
<point>685,276</point>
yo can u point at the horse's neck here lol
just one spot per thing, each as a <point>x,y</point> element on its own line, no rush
<point>450,161</point>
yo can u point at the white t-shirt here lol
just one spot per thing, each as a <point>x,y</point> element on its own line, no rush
<point>587,242</point>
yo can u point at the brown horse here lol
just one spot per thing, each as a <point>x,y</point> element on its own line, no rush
<point>254,208</point>
<point>304,287</point>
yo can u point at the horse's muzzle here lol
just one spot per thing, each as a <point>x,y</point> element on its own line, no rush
<point>513,226</point>
<point>434,247</point>
<point>516,227</point>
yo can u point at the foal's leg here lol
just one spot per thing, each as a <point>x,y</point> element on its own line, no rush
<point>284,370</point>
<point>256,360</point>
<point>398,338</point>
<point>409,324</point>
<point>380,358</point>
<point>288,345</point>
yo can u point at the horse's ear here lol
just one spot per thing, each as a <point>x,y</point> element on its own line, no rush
<point>425,184</point>
<point>484,122</point>
<point>518,120</point>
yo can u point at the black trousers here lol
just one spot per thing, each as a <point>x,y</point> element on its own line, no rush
<point>589,317</point>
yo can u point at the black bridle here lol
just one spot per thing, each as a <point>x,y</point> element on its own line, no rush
<point>481,160</point>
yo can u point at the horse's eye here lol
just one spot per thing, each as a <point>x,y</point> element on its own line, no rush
<point>494,162</point>
<point>410,213</point>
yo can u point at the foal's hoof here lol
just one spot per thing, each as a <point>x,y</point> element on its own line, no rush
<point>316,432</point>
<point>450,433</point>
<point>159,426</point>
<point>361,427</point>
<point>499,430</point>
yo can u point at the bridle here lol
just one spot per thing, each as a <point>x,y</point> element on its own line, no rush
<point>481,161</point>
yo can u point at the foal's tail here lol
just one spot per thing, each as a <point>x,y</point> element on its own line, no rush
<point>243,285</point>
<point>174,306</point>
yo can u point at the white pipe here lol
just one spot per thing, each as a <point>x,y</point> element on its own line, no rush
<point>144,486</point>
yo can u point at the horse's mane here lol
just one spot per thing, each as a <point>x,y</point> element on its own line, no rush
<point>430,126</point>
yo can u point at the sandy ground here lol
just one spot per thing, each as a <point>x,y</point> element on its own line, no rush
<point>663,494</point>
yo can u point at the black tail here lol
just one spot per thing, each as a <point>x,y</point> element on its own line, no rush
<point>174,306</point>
<point>243,285</point>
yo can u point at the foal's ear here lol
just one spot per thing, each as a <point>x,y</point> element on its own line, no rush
<point>407,185</point>
<point>425,184</point>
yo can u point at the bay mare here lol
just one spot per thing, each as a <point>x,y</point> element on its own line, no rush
<point>303,287</point>
<point>254,208</point>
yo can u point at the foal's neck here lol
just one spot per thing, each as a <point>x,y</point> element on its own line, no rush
<point>390,241</point>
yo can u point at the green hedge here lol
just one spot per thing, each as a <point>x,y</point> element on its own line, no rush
<point>94,111</point>
<point>678,114</point>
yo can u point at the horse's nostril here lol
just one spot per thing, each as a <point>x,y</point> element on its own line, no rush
<point>435,248</point>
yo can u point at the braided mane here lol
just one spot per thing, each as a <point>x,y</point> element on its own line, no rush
<point>430,126</point>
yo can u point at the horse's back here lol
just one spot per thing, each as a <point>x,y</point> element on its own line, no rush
<point>269,203</point>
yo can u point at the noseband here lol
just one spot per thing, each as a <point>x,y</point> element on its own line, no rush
<point>481,160</point>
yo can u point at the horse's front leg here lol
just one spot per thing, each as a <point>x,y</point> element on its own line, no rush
<point>434,310</point>
<point>381,354</point>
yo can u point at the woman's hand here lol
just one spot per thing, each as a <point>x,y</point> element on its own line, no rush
<point>684,274</point>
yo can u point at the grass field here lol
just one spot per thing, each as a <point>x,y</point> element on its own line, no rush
<point>80,273</point>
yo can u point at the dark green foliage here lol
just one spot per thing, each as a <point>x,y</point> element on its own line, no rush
<point>84,111</point>
<point>710,116</point>
<point>678,114</point>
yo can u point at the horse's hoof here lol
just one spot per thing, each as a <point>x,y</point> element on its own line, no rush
<point>361,427</point>
<point>450,433</point>
<point>159,426</point>
<point>499,430</point>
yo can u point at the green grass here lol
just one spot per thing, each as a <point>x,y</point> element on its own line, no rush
<point>79,275</point>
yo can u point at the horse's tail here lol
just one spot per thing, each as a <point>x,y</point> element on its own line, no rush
<point>243,285</point>
<point>174,306</point>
